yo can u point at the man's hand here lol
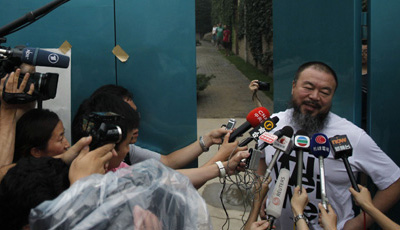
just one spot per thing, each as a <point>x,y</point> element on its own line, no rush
<point>327,220</point>
<point>215,136</point>
<point>229,149</point>
<point>299,200</point>
<point>145,220</point>
<point>12,87</point>
<point>235,164</point>
<point>88,163</point>
<point>254,85</point>
<point>362,198</point>
<point>259,225</point>
<point>74,150</point>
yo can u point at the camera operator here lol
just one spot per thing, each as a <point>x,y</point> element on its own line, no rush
<point>256,85</point>
<point>178,158</point>
<point>128,125</point>
<point>9,115</point>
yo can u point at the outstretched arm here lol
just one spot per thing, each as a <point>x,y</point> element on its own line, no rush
<point>254,88</point>
<point>183,156</point>
<point>8,119</point>
<point>225,151</point>
<point>199,176</point>
<point>259,195</point>
<point>363,199</point>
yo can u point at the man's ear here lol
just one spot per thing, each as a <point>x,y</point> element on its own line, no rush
<point>35,152</point>
<point>293,85</point>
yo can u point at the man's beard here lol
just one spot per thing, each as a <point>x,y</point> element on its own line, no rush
<point>307,122</point>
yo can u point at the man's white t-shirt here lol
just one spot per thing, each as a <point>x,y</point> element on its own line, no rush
<point>367,157</point>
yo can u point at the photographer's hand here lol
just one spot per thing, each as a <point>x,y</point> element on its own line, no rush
<point>254,86</point>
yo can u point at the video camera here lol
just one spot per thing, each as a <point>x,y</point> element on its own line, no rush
<point>45,88</point>
<point>102,127</point>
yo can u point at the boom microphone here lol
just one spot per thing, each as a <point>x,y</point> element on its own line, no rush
<point>274,207</point>
<point>320,148</point>
<point>342,149</point>
<point>37,57</point>
<point>254,118</point>
<point>301,143</point>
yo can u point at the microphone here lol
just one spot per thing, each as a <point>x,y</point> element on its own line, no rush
<point>269,138</point>
<point>254,118</point>
<point>37,57</point>
<point>319,147</point>
<point>262,128</point>
<point>342,149</point>
<point>301,143</point>
<point>274,208</point>
<point>283,144</point>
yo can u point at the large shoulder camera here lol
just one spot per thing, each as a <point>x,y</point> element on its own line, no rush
<point>45,85</point>
<point>102,127</point>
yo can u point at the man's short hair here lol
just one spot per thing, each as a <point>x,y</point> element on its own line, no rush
<point>28,184</point>
<point>105,102</point>
<point>116,90</point>
<point>318,66</point>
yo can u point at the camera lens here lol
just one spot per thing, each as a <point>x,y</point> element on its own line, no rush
<point>114,134</point>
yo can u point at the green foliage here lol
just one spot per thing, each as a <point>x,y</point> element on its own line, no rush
<point>203,81</point>
<point>253,19</point>
<point>203,16</point>
<point>252,73</point>
<point>223,11</point>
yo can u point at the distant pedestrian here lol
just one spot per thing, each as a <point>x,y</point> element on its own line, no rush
<point>227,40</point>
<point>219,35</point>
<point>214,35</point>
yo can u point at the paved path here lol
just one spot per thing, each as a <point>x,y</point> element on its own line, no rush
<point>228,95</point>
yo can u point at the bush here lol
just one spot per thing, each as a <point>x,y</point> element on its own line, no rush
<point>203,81</point>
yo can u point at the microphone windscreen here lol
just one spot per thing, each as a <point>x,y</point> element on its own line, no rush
<point>254,118</point>
<point>257,116</point>
<point>275,119</point>
<point>319,145</point>
<point>341,146</point>
<point>274,207</point>
<point>38,57</point>
<point>301,140</point>
<point>285,131</point>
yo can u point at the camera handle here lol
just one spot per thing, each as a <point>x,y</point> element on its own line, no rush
<point>29,18</point>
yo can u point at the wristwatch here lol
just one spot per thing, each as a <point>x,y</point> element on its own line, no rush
<point>222,172</point>
<point>300,216</point>
<point>202,144</point>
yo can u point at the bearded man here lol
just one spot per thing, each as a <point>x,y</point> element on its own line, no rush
<point>313,88</point>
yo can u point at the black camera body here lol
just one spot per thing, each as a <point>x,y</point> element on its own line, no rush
<point>263,86</point>
<point>102,127</point>
<point>45,88</point>
<point>45,85</point>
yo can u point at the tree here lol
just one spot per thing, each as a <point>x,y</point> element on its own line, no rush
<point>203,17</point>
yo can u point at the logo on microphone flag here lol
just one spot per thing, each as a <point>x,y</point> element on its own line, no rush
<point>302,141</point>
<point>320,139</point>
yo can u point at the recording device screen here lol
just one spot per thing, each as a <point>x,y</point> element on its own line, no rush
<point>231,124</point>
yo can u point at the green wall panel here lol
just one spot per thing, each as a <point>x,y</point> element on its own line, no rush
<point>159,36</point>
<point>325,31</point>
<point>384,72</point>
